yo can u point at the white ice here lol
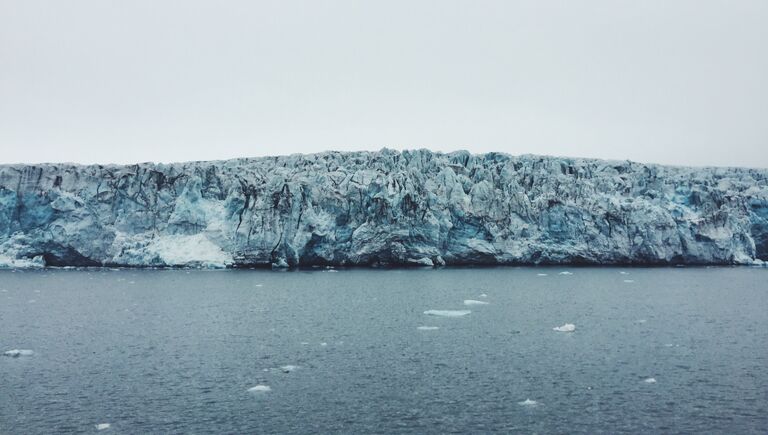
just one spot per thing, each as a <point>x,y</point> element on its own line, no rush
<point>428,328</point>
<point>474,302</point>
<point>628,281</point>
<point>528,402</point>
<point>568,327</point>
<point>102,426</point>
<point>15,353</point>
<point>447,313</point>
<point>260,389</point>
<point>288,368</point>
<point>650,381</point>
<point>566,273</point>
<point>541,274</point>
<point>483,295</point>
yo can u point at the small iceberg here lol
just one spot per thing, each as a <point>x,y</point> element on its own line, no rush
<point>447,313</point>
<point>15,353</point>
<point>428,328</point>
<point>288,368</point>
<point>566,273</point>
<point>260,389</point>
<point>650,380</point>
<point>483,295</point>
<point>474,302</point>
<point>103,426</point>
<point>568,327</point>
<point>528,402</point>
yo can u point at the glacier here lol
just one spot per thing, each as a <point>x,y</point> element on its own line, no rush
<point>383,208</point>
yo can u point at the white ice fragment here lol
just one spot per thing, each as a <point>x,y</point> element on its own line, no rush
<point>568,327</point>
<point>565,273</point>
<point>331,270</point>
<point>428,328</point>
<point>260,389</point>
<point>15,353</point>
<point>629,281</point>
<point>323,344</point>
<point>483,295</point>
<point>288,368</point>
<point>474,302</point>
<point>650,380</point>
<point>541,274</point>
<point>528,402</point>
<point>447,313</point>
<point>624,273</point>
<point>102,426</point>
<point>258,285</point>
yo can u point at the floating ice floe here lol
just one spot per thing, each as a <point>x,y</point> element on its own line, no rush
<point>260,389</point>
<point>288,368</point>
<point>568,327</point>
<point>331,270</point>
<point>628,281</point>
<point>474,302</point>
<point>447,313</point>
<point>428,328</point>
<point>541,274</point>
<point>566,273</point>
<point>483,295</point>
<point>650,380</point>
<point>528,402</point>
<point>624,273</point>
<point>103,426</point>
<point>258,285</point>
<point>15,353</point>
<point>323,344</point>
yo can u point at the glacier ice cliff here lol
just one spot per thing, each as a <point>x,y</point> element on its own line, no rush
<point>381,208</point>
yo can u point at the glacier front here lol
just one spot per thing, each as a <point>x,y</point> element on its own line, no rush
<point>384,208</point>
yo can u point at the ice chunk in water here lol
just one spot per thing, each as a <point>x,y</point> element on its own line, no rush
<point>260,389</point>
<point>483,295</point>
<point>624,273</point>
<point>15,353</point>
<point>541,274</point>
<point>568,327</point>
<point>447,313</point>
<point>650,380</point>
<point>428,328</point>
<point>566,273</point>
<point>528,402</point>
<point>288,368</point>
<point>103,426</point>
<point>628,281</point>
<point>474,302</point>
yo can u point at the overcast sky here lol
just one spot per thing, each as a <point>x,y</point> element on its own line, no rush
<point>681,82</point>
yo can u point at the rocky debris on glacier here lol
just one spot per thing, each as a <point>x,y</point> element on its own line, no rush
<point>384,208</point>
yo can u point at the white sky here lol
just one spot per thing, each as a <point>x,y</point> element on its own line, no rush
<point>668,81</point>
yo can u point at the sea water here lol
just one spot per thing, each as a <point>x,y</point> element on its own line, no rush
<point>657,350</point>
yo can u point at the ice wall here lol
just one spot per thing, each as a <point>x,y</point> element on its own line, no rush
<point>382,208</point>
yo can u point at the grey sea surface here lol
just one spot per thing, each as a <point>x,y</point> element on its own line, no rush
<point>177,351</point>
